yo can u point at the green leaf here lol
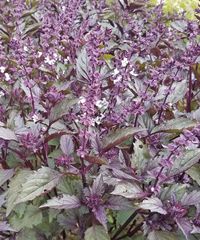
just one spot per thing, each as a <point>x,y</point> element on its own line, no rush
<point>174,189</point>
<point>141,156</point>
<point>96,232</point>
<point>107,57</point>
<point>185,161</point>
<point>122,216</point>
<point>15,187</point>
<point>70,185</point>
<point>27,234</point>
<point>31,217</point>
<point>175,125</point>
<point>5,175</point>
<point>117,137</point>
<point>7,134</point>
<point>38,183</point>
<point>159,235</point>
<point>52,213</point>
<point>139,237</point>
<point>194,173</point>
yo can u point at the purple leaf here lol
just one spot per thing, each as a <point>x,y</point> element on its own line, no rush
<point>66,144</point>
<point>118,203</point>
<point>2,200</point>
<point>117,137</point>
<point>185,226</point>
<point>192,198</point>
<point>100,215</point>
<point>128,190</point>
<point>7,134</point>
<point>154,205</point>
<point>4,226</point>
<point>5,175</point>
<point>195,229</point>
<point>185,161</point>
<point>64,202</point>
<point>121,174</point>
<point>98,186</point>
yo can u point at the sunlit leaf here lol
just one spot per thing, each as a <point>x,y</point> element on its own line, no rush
<point>38,183</point>
<point>154,205</point>
<point>64,202</point>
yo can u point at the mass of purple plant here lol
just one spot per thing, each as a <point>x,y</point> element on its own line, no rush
<point>99,121</point>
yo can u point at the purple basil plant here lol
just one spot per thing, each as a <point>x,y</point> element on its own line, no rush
<point>99,121</point>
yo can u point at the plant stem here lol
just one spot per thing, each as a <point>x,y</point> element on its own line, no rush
<point>165,99</point>
<point>125,225</point>
<point>189,96</point>
<point>135,230</point>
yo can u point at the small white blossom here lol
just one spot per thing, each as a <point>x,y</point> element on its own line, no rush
<point>55,55</point>
<point>7,76</point>
<point>66,60</point>
<point>26,49</point>
<point>98,119</point>
<point>82,100</point>
<point>63,8</point>
<point>102,104</point>
<point>49,61</point>
<point>35,118</point>
<point>133,73</point>
<point>44,128</point>
<point>1,94</point>
<point>116,71</point>
<point>118,79</point>
<point>2,69</point>
<point>39,54</point>
<point>124,62</point>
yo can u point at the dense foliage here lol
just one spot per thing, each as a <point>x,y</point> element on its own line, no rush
<point>99,121</point>
<point>171,6</point>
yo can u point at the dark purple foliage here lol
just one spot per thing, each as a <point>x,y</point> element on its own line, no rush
<point>99,121</point>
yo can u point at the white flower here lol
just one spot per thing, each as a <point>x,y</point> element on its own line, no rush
<point>99,119</point>
<point>49,61</point>
<point>133,73</point>
<point>116,71</point>
<point>82,100</point>
<point>124,62</point>
<point>7,76</point>
<point>44,128</point>
<point>55,56</point>
<point>35,118</point>
<point>66,60</point>
<point>39,54</point>
<point>63,8</point>
<point>25,48</point>
<point>1,94</point>
<point>2,69</point>
<point>102,104</point>
<point>118,79</point>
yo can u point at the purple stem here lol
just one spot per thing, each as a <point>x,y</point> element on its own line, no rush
<point>189,95</point>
